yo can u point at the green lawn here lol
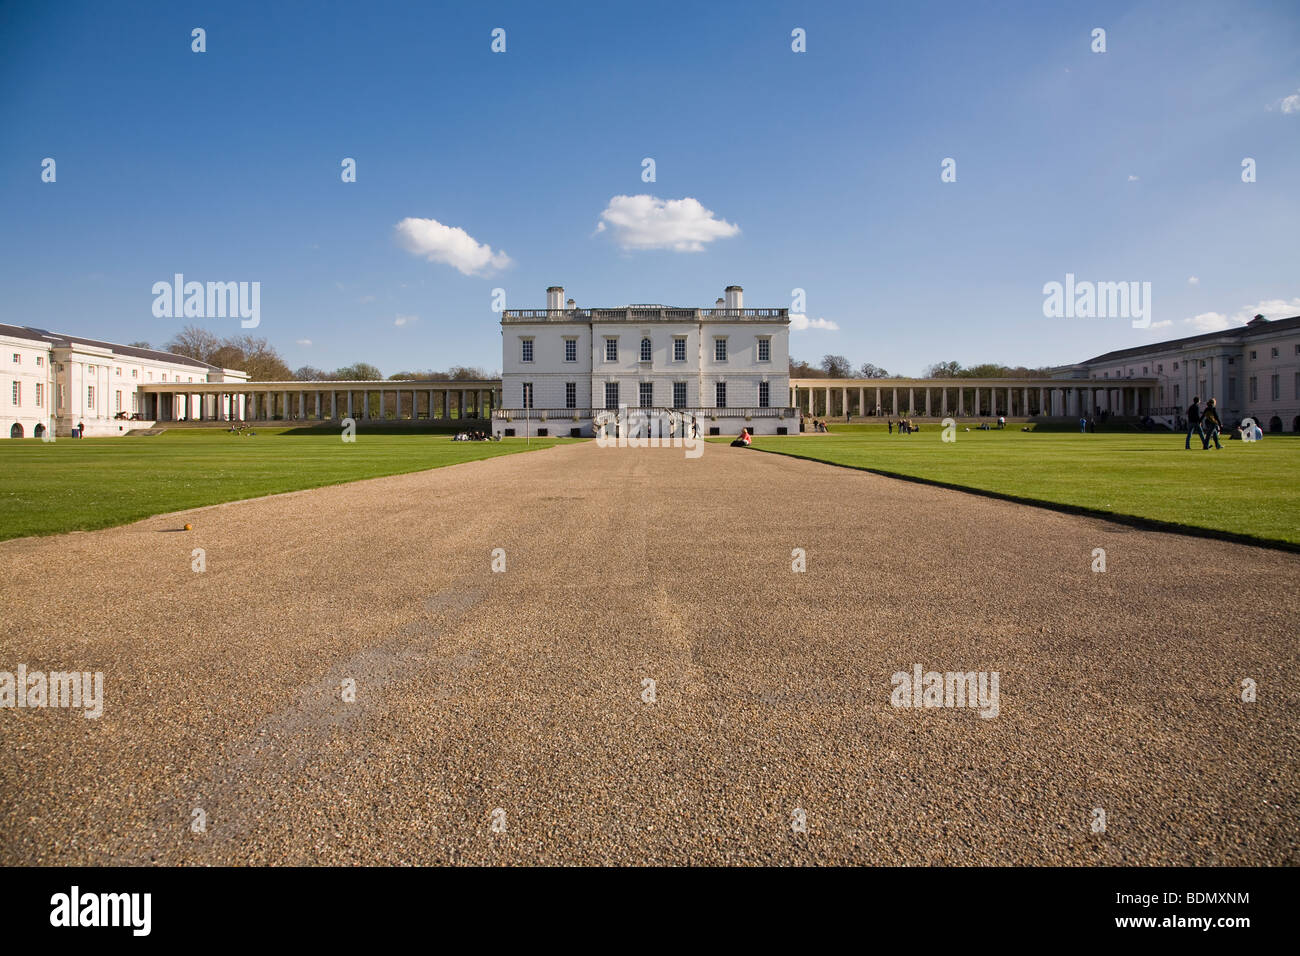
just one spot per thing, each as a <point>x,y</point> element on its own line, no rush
<point>80,485</point>
<point>1246,490</point>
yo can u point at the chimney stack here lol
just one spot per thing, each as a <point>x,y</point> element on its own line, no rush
<point>735,297</point>
<point>555,298</point>
<point>570,305</point>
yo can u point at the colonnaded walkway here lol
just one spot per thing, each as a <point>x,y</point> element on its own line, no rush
<point>526,692</point>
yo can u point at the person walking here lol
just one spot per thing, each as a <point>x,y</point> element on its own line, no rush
<point>1194,423</point>
<point>1210,427</point>
<point>695,428</point>
<point>891,426</point>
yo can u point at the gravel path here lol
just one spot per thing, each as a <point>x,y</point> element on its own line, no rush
<point>522,691</point>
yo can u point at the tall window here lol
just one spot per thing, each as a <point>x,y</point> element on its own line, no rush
<point>18,359</point>
<point>1277,387</point>
<point>764,394</point>
<point>679,394</point>
<point>679,349</point>
<point>646,394</point>
<point>526,354</point>
<point>135,373</point>
<point>1254,389</point>
<point>570,394</point>
<point>119,402</point>
<point>40,394</point>
<point>1177,391</point>
<point>646,351</point>
<point>17,394</point>
<point>720,394</point>
<point>40,359</point>
<point>611,350</point>
<point>90,396</point>
<point>719,350</point>
<point>1297,384</point>
<point>765,350</point>
<point>1232,389</point>
<point>570,350</point>
<point>528,395</point>
<point>611,396</point>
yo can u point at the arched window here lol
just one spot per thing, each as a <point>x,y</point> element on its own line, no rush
<point>39,431</point>
<point>645,350</point>
<point>1275,424</point>
<point>16,431</point>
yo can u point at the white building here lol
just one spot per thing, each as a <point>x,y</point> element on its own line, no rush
<point>564,368</point>
<point>1253,371</point>
<point>59,382</point>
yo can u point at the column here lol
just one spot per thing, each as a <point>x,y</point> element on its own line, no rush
<point>397,408</point>
<point>895,410</point>
<point>350,403</point>
<point>844,400</point>
<point>976,410</point>
<point>877,396</point>
<point>862,401</point>
<point>827,413</point>
<point>927,401</point>
<point>1008,401</point>
<point>943,402</point>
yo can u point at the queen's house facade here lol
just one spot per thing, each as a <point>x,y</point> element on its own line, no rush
<point>645,369</point>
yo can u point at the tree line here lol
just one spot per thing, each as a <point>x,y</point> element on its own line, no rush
<point>837,366</point>
<point>263,363</point>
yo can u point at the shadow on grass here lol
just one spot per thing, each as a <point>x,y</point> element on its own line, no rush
<point>1133,521</point>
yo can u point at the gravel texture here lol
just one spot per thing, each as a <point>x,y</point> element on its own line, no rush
<point>523,690</point>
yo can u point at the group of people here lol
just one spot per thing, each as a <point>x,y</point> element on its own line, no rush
<point>1204,423</point>
<point>474,436</point>
<point>905,426</point>
<point>819,425</point>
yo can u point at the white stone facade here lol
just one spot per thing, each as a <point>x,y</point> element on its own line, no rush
<point>727,366</point>
<point>1252,371</point>
<point>54,383</point>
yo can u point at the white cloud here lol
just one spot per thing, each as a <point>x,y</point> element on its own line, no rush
<point>799,323</point>
<point>402,320</point>
<point>1269,308</point>
<point>1291,104</point>
<point>450,245</point>
<point>648,222</point>
<point>1193,280</point>
<point>305,343</point>
<point>1133,179</point>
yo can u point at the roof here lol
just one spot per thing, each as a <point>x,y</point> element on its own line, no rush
<point>1254,328</point>
<point>59,340</point>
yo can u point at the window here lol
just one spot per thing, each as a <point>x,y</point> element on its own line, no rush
<point>526,346</point>
<point>1254,389</point>
<point>528,395</point>
<point>1177,390</point>
<point>40,359</point>
<point>611,396</point>
<point>18,359</point>
<point>1274,353</point>
<point>720,349</point>
<point>90,396</point>
<point>570,350</point>
<point>765,350</point>
<point>1276,386</point>
<point>764,394</point>
<point>164,376</point>
<point>40,394</point>
<point>570,394</point>
<point>679,349</point>
<point>17,393</point>
<point>1297,352</point>
<point>647,350</point>
<point>1175,366</point>
<point>135,373</point>
<point>1232,389</point>
<point>1144,369</point>
<point>611,350</point>
<point>1252,356</point>
<point>1160,368</point>
<point>720,394</point>
<point>1202,363</point>
<point>679,393</point>
<point>135,401</point>
<point>1297,384</point>
<point>119,402</point>
<point>646,394</point>
<point>118,371</point>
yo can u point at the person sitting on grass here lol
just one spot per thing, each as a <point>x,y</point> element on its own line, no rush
<point>743,441</point>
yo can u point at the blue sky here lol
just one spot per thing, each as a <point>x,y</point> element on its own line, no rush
<point>816,170</point>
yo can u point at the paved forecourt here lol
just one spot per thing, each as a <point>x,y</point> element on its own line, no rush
<point>524,691</point>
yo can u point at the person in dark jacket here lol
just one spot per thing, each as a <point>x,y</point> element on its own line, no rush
<point>1210,426</point>
<point>1194,423</point>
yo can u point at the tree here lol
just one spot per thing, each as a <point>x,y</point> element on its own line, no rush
<point>309,373</point>
<point>140,345</point>
<point>254,356</point>
<point>836,366</point>
<point>872,371</point>
<point>800,369</point>
<point>943,370</point>
<point>359,372</point>
<point>196,343</point>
